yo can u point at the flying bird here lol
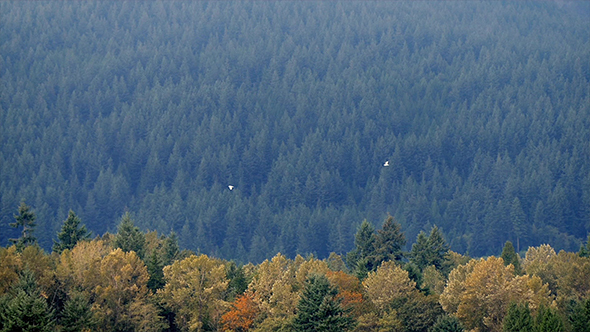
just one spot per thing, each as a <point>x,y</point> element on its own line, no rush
<point>386,163</point>
<point>230,187</point>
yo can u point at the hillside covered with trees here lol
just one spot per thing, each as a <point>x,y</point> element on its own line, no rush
<point>481,109</point>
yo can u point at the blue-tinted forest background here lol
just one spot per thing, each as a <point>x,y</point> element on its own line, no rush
<point>481,108</point>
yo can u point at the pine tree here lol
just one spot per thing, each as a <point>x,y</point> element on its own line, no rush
<point>389,242</point>
<point>430,250</point>
<point>548,321</point>
<point>71,233</point>
<point>360,259</point>
<point>26,220</point>
<point>171,249</point>
<point>26,309</point>
<point>511,257</point>
<point>319,309</point>
<point>585,250</point>
<point>129,237</point>
<point>518,319</point>
<point>447,323</point>
<point>154,269</point>
<point>76,315</point>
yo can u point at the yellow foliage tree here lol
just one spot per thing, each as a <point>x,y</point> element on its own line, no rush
<point>194,291</point>
<point>480,292</point>
<point>10,266</point>
<point>388,283</point>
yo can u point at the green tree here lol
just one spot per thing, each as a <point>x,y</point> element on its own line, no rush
<point>154,269</point>
<point>511,257</point>
<point>129,237</point>
<point>430,250</point>
<point>389,242</point>
<point>518,221</point>
<point>579,319</point>
<point>171,249</point>
<point>319,308</point>
<point>76,315</point>
<point>360,259</point>
<point>71,232</point>
<point>585,250</point>
<point>518,319</point>
<point>447,323</point>
<point>548,321</point>
<point>24,309</point>
<point>26,220</point>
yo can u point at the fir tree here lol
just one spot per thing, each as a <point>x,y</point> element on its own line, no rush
<point>360,259</point>
<point>129,237</point>
<point>154,268</point>
<point>548,321</point>
<point>447,323</point>
<point>319,309</point>
<point>389,242</point>
<point>518,319</point>
<point>76,315</point>
<point>171,249</point>
<point>25,309</point>
<point>71,233</point>
<point>430,250</point>
<point>511,257</point>
<point>26,220</point>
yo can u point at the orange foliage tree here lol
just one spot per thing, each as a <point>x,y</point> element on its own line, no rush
<point>242,315</point>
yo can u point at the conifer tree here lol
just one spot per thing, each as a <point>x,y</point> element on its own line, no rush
<point>26,220</point>
<point>319,309</point>
<point>511,257</point>
<point>71,232</point>
<point>154,268</point>
<point>389,242</point>
<point>25,309</point>
<point>447,323</point>
<point>129,237</point>
<point>548,321</point>
<point>518,319</point>
<point>76,315</point>
<point>430,250</point>
<point>360,259</point>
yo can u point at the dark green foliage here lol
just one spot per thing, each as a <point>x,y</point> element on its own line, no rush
<point>418,313</point>
<point>548,320</point>
<point>129,237</point>
<point>238,282</point>
<point>511,257</point>
<point>585,250</point>
<point>158,107</point>
<point>24,309</point>
<point>319,309</point>
<point>362,258</point>
<point>76,315</point>
<point>518,319</point>
<point>447,323</point>
<point>26,220</point>
<point>390,242</point>
<point>579,319</point>
<point>171,249</point>
<point>430,250</point>
<point>154,266</point>
<point>71,233</point>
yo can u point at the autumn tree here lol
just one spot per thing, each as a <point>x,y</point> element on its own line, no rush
<point>25,219</point>
<point>387,284</point>
<point>71,232</point>
<point>10,266</point>
<point>244,311</point>
<point>319,308</point>
<point>480,292</point>
<point>194,292</point>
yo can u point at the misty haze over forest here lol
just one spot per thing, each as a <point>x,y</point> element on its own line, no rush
<point>481,109</point>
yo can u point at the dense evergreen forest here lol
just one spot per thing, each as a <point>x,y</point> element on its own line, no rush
<point>481,109</point>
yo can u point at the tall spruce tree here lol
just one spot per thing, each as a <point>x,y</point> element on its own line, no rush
<point>548,321</point>
<point>319,308</point>
<point>129,237</point>
<point>430,250</point>
<point>510,256</point>
<point>447,323</point>
<point>25,219</point>
<point>24,309</point>
<point>71,233</point>
<point>361,258</point>
<point>389,242</point>
<point>518,319</point>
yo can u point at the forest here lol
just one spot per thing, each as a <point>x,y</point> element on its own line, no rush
<point>156,108</point>
<point>136,281</point>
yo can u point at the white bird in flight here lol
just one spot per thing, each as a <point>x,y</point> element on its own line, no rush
<point>386,163</point>
<point>230,187</point>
